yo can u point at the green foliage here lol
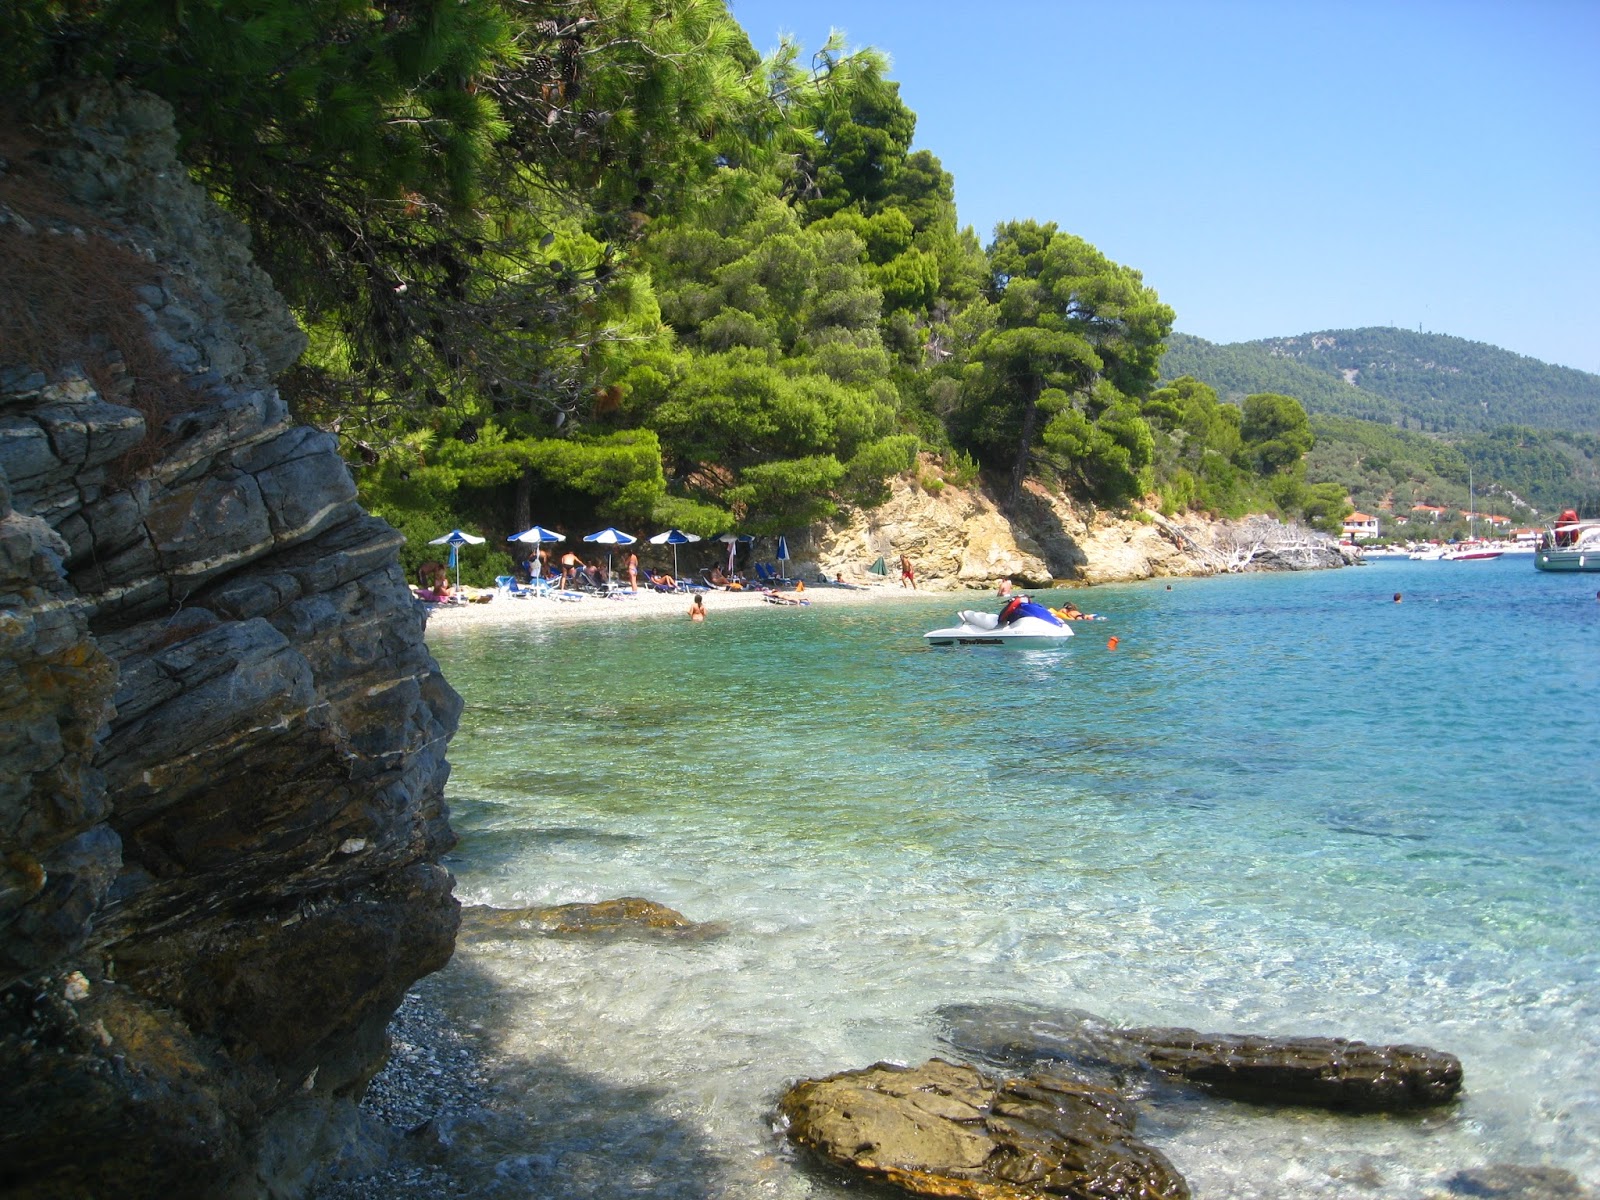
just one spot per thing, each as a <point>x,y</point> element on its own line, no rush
<point>960,468</point>
<point>1069,323</point>
<point>775,496</point>
<point>1427,381</point>
<point>866,474</point>
<point>1325,507</point>
<point>1276,432</point>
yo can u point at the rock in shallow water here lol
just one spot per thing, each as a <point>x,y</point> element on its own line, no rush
<point>1316,1072</point>
<point>945,1129</point>
<point>626,916</point>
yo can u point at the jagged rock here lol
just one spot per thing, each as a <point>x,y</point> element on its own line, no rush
<point>945,1129</point>
<point>221,734</point>
<point>1314,1071</point>
<point>627,916</point>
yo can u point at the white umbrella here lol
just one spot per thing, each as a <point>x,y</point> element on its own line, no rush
<point>610,537</point>
<point>733,540</point>
<point>455,539</point>
<point>674,538</point>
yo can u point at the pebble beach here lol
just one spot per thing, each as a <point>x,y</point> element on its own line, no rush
<point>505,609</point>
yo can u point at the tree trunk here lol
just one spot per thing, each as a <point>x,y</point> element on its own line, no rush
<point>1030,417</point>
<point>522,503</point>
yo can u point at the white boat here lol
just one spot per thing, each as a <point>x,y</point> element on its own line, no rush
<point>984,629</point>
<point>1471,551</point>
<point>1569,545</point>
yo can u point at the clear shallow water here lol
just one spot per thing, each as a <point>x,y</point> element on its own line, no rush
<point>1283,804</point>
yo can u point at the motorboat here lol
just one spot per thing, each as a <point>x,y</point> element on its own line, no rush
<point>984,629</point>
<point>1471,552</point>
<point>1569,545</point>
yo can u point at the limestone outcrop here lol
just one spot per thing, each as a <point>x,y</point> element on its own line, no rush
<point>946,1129</point>
<point>221,735</point>
<point>957,537</point>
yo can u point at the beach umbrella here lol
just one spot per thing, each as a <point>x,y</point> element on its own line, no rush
<point>733,541</point>
<point>609,537</point>
<point>455,539</point>
<point>674,538</point>
<point>880,567</point>
<point>783,555</point>
<point>537,535</point>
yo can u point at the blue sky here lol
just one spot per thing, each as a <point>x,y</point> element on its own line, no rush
<point>1274,168</point>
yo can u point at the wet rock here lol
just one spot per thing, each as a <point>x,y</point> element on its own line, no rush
<point>1317,1072</point>
<point>945,1129</point>
<point>1505,1181</point>
<point>625,917</point>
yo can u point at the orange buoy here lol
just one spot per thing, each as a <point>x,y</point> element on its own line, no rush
<point>1112,644</point>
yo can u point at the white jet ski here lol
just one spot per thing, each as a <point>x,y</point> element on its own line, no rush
<point>984,629</point>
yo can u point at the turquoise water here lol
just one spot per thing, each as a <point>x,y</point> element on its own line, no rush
<point>1283,804</point>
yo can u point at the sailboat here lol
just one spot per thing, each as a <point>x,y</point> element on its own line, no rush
<point>1471,549</point>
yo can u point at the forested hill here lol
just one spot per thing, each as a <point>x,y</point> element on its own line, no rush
<point>1429,381</point>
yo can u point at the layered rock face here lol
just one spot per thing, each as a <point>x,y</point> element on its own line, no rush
<point>221,735</point>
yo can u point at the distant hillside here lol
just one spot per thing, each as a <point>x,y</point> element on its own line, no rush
<point>1426,381</point>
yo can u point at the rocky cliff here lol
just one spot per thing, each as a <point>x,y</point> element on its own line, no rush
<point>221,735</point>
<point>959,538</point>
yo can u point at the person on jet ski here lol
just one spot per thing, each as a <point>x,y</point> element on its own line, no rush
<point>1023,606</point>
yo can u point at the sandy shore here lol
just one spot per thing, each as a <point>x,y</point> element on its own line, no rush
<point>504,609</point>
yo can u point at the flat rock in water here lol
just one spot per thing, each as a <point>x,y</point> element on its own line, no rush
<point>1507,1181</point>
<point>1316,1072</point>
<point>626,916</point>
<point>945,1129</point>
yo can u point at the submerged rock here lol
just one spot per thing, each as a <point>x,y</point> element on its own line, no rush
<point>945,1129</point>
<point>626,916</point>
<point>1316,1072</point>
<point>1505,1181</point>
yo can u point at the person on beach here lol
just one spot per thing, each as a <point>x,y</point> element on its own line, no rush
<point>697,609</point>
<point>633,571</point>
<point>435,581</point>
<point>570,563</point>
<point>908,577</point>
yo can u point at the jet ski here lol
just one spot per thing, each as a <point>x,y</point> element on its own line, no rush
<point>1031,625</point>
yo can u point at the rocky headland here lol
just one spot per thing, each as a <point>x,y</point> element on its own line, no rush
<point>221,798</point>
<point>222,735</point>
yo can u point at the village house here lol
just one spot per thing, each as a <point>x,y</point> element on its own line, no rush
<point>1359,526</point>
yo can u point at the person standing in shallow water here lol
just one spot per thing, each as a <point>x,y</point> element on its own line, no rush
<point>908,578</point>
<point>697,609</point>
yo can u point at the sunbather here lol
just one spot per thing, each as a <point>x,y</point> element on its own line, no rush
<point>435,583</point>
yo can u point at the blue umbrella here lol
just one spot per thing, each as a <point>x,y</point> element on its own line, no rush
<point>455,539</point>
<point>538,535</point>
<point>674,538</point>
<point>783,553</point>
<point>610,537</point>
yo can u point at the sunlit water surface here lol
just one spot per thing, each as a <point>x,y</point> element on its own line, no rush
<point>1282,804</point>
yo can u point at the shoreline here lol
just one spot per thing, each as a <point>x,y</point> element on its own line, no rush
<point>509,610</point>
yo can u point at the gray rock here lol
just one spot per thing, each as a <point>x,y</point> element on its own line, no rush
<point>213,686</point>
<point>1318,1072</point>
